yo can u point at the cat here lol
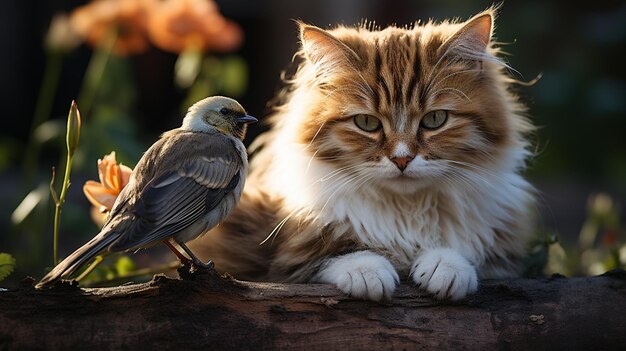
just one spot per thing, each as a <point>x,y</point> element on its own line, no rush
<point>395,153</point>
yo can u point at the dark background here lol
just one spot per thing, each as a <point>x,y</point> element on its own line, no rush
<point>579,104</point>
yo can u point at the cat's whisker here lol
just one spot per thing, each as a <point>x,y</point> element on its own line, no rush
<point>432,79</point>
<point>474,166</point>
<point>343,179</point>
<point>314,137</point>
<point>502,179</point>
<point>458,180</point>
<point>337,171</point>
<point>278,227</point>
<point>467,177</point>
<point>450,181</point>
<point>436,65</point>
<point>308,166</point>
<point>457,73</point>
<point>478,168</point>
<point>471,179</point>
<point>353,179</point>
<point>432,82</point>
<point>475,178</point>
<point>355,185</point>
<point>454,92</point>
<point>339,90</point>
<point>365,84</point>
<point>330,175</point>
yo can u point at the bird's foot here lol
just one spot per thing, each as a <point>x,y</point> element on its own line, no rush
<point>199,264</point>
<point>190,270</point>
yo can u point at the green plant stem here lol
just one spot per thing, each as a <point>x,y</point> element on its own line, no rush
<point>95,72</point>
<point>59,204</point>
<point>43,108</point>
<point>91,267</point>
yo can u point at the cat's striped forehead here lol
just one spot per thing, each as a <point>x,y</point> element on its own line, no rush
<point>398,65</point>
<point>396,61</point>
<point>399,76</point>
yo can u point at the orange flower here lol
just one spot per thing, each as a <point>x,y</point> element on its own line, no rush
<point>99,20</point>
<point>113,178</point>
<point>179,25</point>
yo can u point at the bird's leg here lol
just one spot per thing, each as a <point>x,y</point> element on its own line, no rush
<point>183,259</point>
<point>196,261</point>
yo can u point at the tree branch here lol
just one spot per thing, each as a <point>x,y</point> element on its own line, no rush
<point>209,311</point>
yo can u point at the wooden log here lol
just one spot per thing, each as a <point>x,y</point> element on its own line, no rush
<point>213,312</point>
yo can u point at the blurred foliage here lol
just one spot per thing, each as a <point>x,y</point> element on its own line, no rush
<point>119,266</point>
<point>601,244</point>
<point>118,269</point>
<point>7,263</point>
<point>538,253</point>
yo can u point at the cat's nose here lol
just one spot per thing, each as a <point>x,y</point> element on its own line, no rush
<point>402,162</point>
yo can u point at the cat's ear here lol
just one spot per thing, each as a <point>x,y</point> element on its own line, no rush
<point>321,47</point>
<point>472,40</point>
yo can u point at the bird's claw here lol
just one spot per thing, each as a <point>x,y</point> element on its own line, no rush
<point>199,264</point>
<point>191,269</point>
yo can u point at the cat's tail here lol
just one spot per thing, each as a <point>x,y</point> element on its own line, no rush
<point>74,261</point>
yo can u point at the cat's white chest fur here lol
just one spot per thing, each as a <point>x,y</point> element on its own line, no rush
<point>399,225</point>
<point>462,218</point>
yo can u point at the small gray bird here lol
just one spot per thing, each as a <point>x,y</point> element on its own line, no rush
<point>185,184</point>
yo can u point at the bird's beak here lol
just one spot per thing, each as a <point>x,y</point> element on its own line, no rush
<point>246,119</point>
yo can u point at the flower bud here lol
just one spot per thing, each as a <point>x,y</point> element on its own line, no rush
<point>73,128</point>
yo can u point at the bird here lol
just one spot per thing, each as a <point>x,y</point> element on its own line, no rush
<point>186,183</point>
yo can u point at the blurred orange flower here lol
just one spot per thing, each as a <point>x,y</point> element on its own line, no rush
<point>179,25</point>
<point>100,19</point>
<point>102,195</point>
<point>610,238</point>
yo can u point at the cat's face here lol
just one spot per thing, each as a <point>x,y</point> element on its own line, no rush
<point>405,108</point>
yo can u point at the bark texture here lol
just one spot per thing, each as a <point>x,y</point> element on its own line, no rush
<point>208,311</point>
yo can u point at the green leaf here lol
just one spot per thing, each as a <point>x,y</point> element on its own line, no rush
<point>49,130</point>
<point>7,263</point>
<point>124,265</point>
<point>234,76</point>
<point>30,202</point>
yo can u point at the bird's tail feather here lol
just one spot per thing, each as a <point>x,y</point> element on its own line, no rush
<point>74,261</point>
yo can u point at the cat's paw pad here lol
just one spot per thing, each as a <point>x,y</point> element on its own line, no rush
<point>445,274</point>
<point>361,274</point>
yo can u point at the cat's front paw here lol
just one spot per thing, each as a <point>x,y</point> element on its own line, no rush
<point>445,274</point>
<point>362,274</point>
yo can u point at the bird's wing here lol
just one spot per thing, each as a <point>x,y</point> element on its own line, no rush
<point>174,201</point>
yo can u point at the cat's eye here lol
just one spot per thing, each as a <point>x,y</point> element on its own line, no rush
<point>367,123</point>
<point>434,119</point>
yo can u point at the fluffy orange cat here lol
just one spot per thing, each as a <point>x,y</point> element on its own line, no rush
<point>396,154</point>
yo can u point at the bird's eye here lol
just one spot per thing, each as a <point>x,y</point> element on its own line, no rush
<point>367,123</point>
<point>224,111</point>
<point>434,119</point>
